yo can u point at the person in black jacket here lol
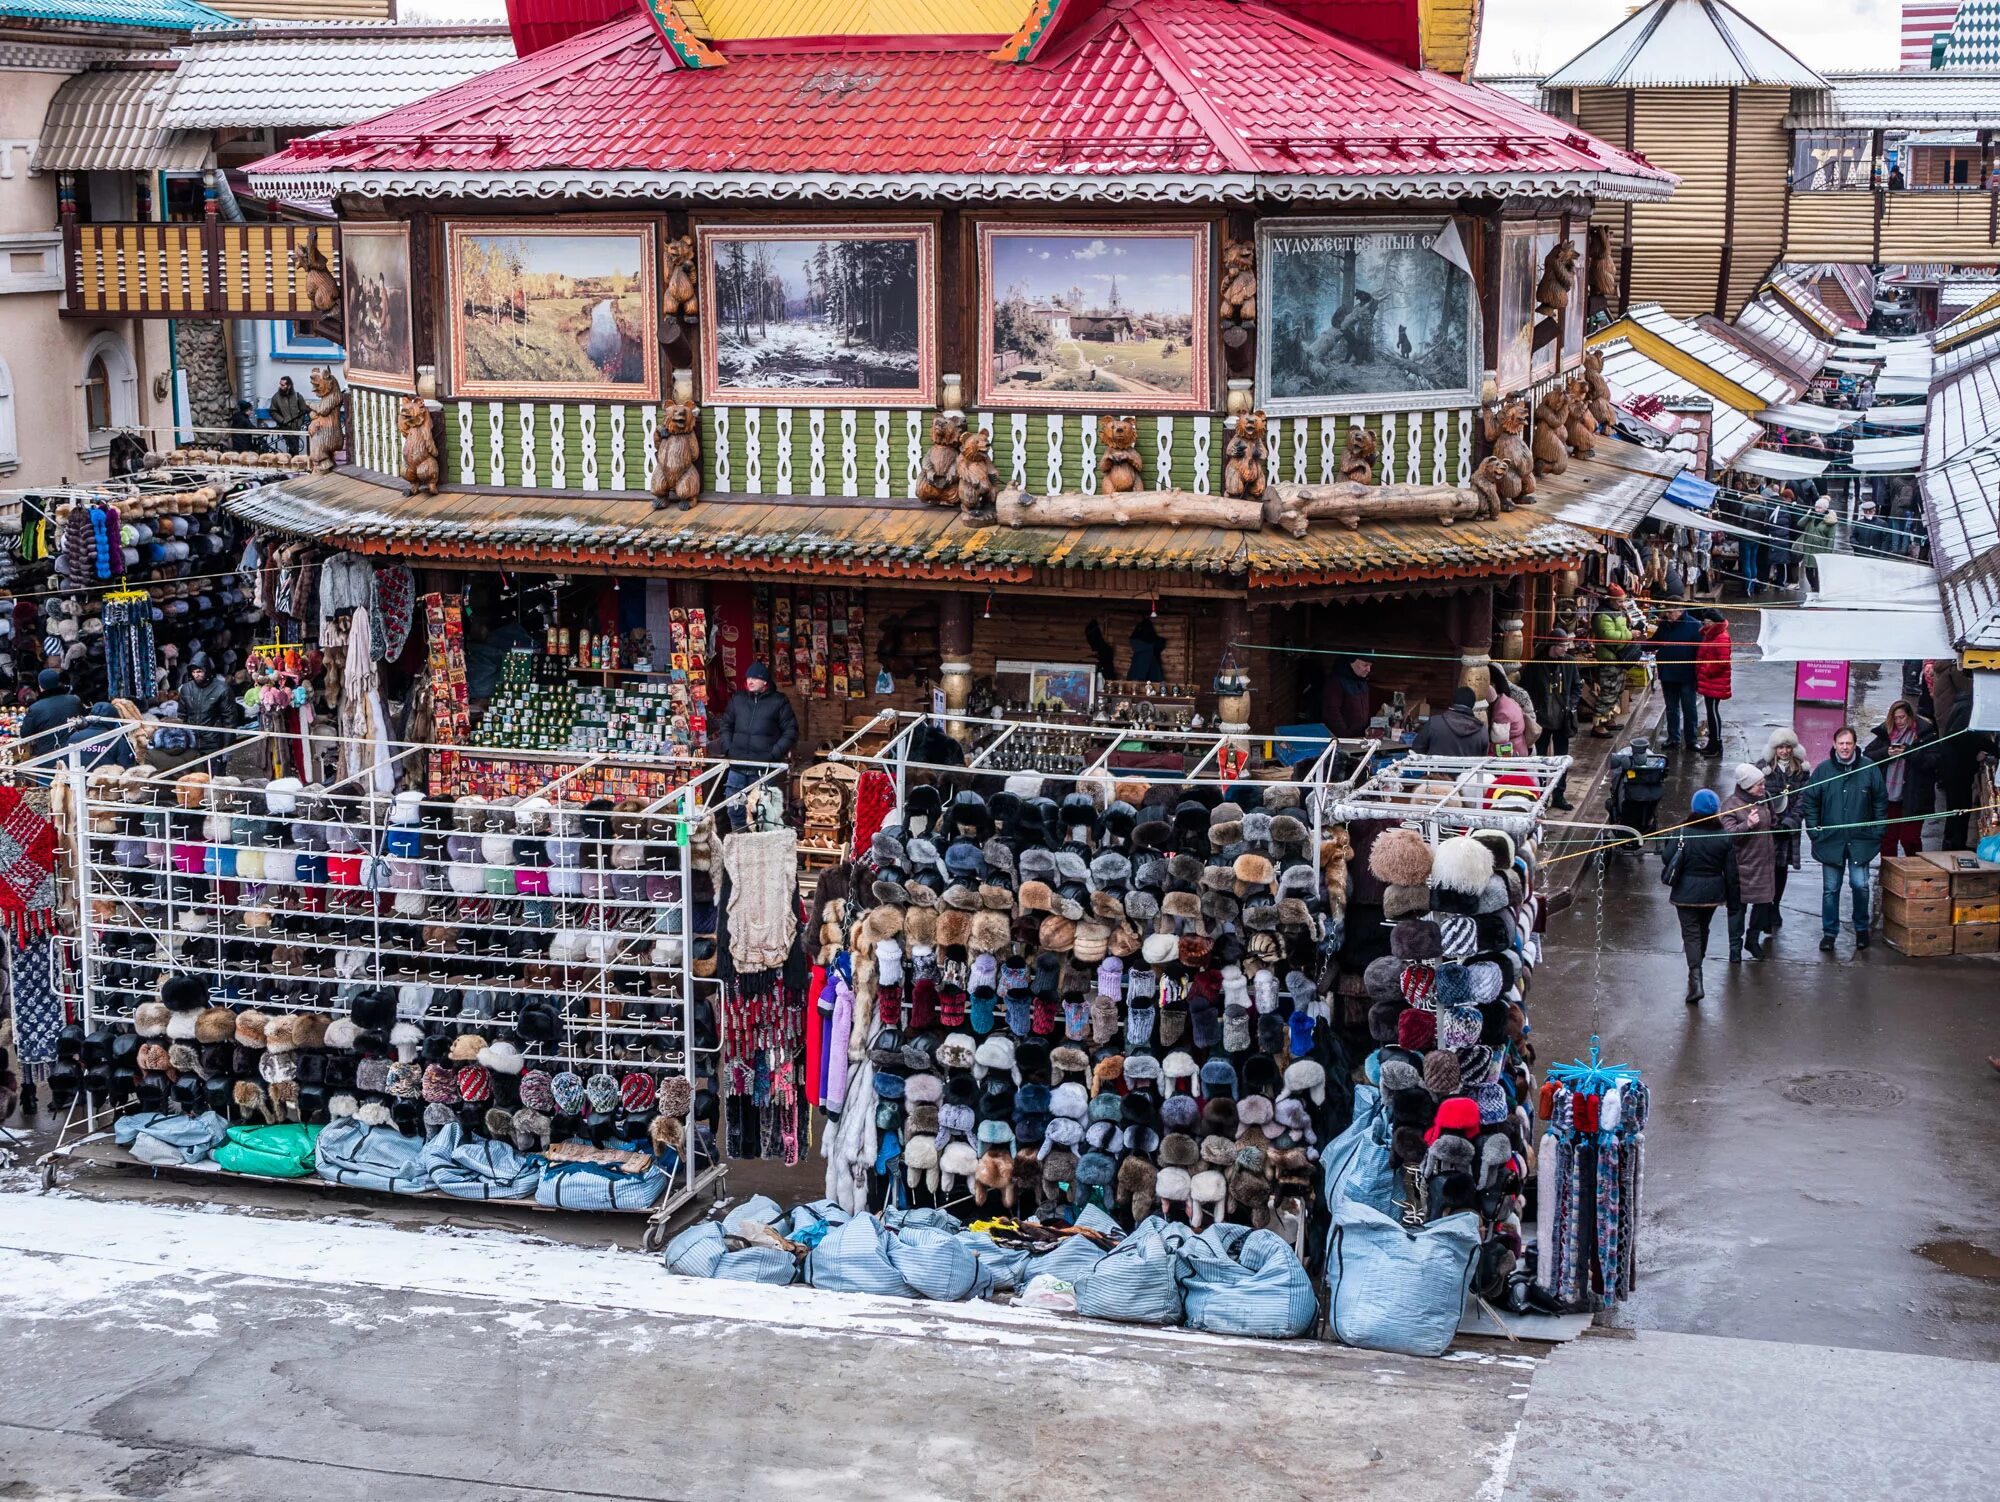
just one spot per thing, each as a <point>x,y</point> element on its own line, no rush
<point>1701,872</point>
<point>205,701</point>
<point>758,729</point>
<point>1454,731</point>
<point>1553,682</point>
<point>43,726</point>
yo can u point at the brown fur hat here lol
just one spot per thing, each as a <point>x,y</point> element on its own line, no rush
<point>920,926</point>
<point>1110,1071</point>
<point>281,1033</point>
<point>990,932</point>
<point>666,1131</point>
<point>1058,1169</point>
<point>1057,933</point>
<point>995,1171</point>
<point>1253,870</point>
<point>882,923</point>
<point>309,1029</point>
<point>149,1019</point>
<point>214,1025</point>
<point>465,1048</point>
<point>1136,1178</point>
<point>250,1028</point>
<point>1400,858</point>
<point>1185,906</point>
<point>954,928</point>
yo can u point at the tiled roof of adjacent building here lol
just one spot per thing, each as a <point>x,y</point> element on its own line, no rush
<point>289,75</point>
<point>1684,44</point>
<point>114,120</point>
<point>150,15</point>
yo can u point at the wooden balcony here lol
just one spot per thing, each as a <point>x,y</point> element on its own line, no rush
<point>208,270</point>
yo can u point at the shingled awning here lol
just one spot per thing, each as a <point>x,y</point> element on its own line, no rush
<point>738,535</point>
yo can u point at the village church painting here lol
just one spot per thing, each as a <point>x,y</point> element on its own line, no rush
<point>1090,316</point>
<point>840,316</point>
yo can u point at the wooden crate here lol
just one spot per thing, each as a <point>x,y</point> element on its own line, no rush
<point>1975,938</point>
<point>1915,876</point>
<point>1935,939</point>
<point>1980,880</point>
<point>1916,912</point>
<point>1982,910</point>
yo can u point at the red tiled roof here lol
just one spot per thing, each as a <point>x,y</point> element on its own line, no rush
<point>1179,88</point>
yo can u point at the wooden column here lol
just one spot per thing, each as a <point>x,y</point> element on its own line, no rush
<point>1469,623</point>
<point>1511,626</point>
<point>955,669</point>
<point>1232,711</point>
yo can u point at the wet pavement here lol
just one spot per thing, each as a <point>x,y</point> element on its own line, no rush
<point>1821,1164</point>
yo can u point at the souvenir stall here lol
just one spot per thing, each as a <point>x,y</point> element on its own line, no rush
<point>522,997</point>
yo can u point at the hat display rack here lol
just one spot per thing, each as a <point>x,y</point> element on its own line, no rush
<point>551,932</point>
<point>1446,795</point>
<point>1102,986</point>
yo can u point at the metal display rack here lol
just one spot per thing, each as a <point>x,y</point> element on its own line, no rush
<point>607,939</point>
<point>1448,795</point>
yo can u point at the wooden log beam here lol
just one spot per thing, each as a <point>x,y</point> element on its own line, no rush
<point>1133,508</point>
<point>1295,507</point>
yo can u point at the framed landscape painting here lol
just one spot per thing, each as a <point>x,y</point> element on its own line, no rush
<point>375,280</point>
<point>818,316</point>
<point>1355,315</point>
<point>1095,317</point>
<point>554,310</point>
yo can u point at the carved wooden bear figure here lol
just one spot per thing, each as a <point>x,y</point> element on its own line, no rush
<point>1603,270</point>
<point>936,483</point>
<point>1118,460</point>
<point>324,434</point>
<point>1489,482</point>
<point>1579,431</point>
<point>1600,391</point>
<point>975,476</point>
<point>1357,464</point>
<point>322,291</point>
<point>420,451</point>
<point>1246,458</point>
<point>1238,299</point>
<point>677,456</point>
<point>1558,277</point>
<point>1551,419</point>
<point>679,297</point>
<point>1506,427</point>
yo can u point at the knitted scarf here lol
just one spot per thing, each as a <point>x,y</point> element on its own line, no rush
<point>27,867</point>
<point>763,912</point>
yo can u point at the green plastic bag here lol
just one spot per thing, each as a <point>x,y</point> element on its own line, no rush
<point>284,1151</point>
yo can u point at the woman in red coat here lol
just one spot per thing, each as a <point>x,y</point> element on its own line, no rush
<point>1711,675</point>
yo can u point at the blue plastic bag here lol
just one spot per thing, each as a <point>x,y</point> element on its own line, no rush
<point>936,1266</point>
<point>591,1186</point>
<point>1246,1283</point>
<point>1139,1280</point>
<point>478,1168</point>
<point>1398,1288</point>
<point>1007,1264</point>
<point>854,1258</point>
<point>165,1141</point>
<point>703,1251</point>
<point>1356,1164</point>
<point>358,1156</point>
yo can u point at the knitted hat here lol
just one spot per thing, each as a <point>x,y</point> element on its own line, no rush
<point>568,1091</point>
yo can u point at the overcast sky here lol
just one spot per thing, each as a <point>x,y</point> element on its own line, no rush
<point>1522,36</point>
<point>1537,36</point>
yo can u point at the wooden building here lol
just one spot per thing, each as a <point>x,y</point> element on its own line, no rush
<point>815,244</point>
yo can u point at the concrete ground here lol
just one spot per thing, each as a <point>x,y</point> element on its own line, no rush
<point>1818,1310</point>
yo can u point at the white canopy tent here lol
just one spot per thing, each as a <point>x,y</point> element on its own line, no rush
<point>1903,385</point>
<point>1911,416</point>
<point>1847,635</point>
<point>1888,455</point>
<point>1850,581</point>
<point>1676,515</point>
<point>1808,418</point>
<point>1775,464</point>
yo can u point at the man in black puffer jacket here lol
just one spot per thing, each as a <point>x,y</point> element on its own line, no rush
<point>757,729</point>
<point>1454,731</point>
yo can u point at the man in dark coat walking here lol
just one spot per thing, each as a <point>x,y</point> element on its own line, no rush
<point>1845,803</point>
<point>1675,640</point>
<point>758,729</point>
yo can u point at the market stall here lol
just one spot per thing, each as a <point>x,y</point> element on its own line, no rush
<point>521,997</point>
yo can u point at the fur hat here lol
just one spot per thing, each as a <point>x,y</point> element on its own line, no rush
<point>1400,858</point>
<point>1462,864</point>
<point>250,1028</point>
<point>1414,939</point>
<point>1405,902</point>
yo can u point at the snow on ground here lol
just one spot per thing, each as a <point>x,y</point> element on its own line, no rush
<point>61,1252</point>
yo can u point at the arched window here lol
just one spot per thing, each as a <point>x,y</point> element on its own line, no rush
<point>109,384</point>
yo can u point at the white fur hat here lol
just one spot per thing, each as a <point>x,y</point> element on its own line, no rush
<point>281,795</point>
<point>1208,1191</point>
<point>1461,864</point>
<point>995,1055</point>
<point>1306,1077</point>
<point>406,1038</point>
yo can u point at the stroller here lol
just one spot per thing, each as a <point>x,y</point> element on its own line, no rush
<point>1638,782</point>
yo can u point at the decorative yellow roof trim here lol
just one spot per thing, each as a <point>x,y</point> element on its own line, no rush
<point>770,20</point>
<point>1681,363</point>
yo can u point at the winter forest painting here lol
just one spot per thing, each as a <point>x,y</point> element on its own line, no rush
<point>558,311</point>
<point>1351,315</point>
<point>841,313</point>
